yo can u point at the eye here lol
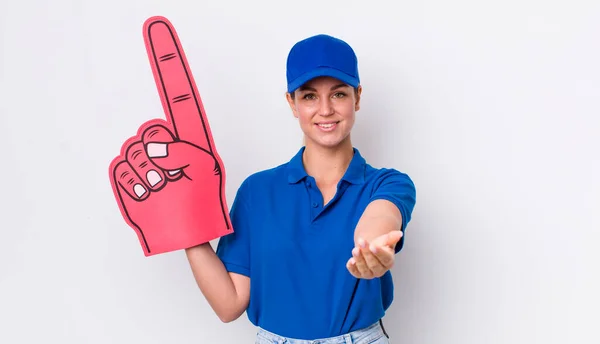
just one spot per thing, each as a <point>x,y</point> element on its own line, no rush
<point>339,95</point>
<point>308,96</point>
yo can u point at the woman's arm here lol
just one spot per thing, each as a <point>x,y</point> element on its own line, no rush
<point>379,233</point>
<point>227,293</point>
<point>379,218</point>
<point>376,235</point>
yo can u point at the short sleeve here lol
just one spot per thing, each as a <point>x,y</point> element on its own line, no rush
<point>399,189</point>
<point>234,249</point>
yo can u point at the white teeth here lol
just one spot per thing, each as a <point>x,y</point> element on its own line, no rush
<point>326,125</point>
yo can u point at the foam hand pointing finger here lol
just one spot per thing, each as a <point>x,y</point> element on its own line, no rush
<point>372,260</point>
<point>169,180</point>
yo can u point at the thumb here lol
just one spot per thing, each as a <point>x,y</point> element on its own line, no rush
<point>390,239</point>
<point>177,155</point>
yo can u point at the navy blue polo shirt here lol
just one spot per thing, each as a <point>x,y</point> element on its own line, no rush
<point>294,248</point>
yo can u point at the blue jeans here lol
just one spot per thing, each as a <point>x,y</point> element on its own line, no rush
<point>373,334</point>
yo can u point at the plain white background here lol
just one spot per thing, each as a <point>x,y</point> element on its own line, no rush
<point>493,108</point>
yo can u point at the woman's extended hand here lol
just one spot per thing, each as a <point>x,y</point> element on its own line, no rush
<point>372,260</point>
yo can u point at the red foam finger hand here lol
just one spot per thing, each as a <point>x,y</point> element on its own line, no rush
<point>169,181</point>
<point>181,210</point>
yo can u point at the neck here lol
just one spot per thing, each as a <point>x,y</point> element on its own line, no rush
<point>327,165</point>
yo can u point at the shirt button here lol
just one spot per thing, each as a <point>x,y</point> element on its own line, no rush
<point>314,204</point>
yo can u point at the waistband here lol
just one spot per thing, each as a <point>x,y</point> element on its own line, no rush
<point>365,335</point>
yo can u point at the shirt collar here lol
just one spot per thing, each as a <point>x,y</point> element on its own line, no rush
<point>355,174</point>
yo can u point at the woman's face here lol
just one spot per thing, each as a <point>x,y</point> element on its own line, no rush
<point>325,108</point>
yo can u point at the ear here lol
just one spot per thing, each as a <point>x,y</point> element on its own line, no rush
<point>357,94</point>
<point>291,103</point>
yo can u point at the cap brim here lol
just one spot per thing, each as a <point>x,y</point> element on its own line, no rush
<point>319,72</point>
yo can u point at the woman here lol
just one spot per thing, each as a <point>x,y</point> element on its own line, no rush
<point>315,237</point>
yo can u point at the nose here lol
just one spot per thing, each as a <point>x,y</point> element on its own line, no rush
<point>326,107</point>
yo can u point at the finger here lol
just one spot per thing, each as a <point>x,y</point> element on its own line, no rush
<point>152,176</point>
<point>158,133</point>
<point>393,237</point>
<point>351,266</point>
<point>384,254</point>
<point>176,87</point>
<point>129,182</point>
<point>389,239</point>
<point>361,264</point>
<point>181,156</point>
<point>372,263</point>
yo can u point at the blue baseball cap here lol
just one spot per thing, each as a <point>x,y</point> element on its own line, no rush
<point>321,55</point>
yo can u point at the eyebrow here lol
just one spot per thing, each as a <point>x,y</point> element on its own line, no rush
<point>307,88</point>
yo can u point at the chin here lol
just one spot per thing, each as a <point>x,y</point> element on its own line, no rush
<point>328,142</point>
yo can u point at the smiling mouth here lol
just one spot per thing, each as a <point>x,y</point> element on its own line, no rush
<point>327,126</point>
